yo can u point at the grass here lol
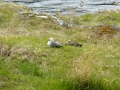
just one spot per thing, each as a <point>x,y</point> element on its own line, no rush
<point>27,63</point>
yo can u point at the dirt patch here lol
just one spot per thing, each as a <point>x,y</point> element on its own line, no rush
<point>13,51</point>
<point>107,31</point>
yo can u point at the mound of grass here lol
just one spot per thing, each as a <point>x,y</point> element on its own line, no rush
<point>27,63</point>
<point>104,17</point>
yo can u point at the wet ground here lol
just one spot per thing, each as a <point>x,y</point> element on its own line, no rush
<point>76,7</point>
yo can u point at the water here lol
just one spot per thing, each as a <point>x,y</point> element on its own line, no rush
<point>76,7</point>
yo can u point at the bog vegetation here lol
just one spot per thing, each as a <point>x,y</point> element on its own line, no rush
<point>26,63</point>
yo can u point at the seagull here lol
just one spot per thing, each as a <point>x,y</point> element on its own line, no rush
<point>69,42</point>
<point>52,43</point>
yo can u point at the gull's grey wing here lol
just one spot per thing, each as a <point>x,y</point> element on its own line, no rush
<point>57,44</point>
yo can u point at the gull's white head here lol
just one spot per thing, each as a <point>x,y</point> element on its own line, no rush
<point>51,40</point>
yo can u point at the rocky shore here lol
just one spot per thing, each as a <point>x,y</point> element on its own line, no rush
<point>76,7</point>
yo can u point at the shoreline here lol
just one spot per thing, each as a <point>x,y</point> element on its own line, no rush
<point>75,8</point>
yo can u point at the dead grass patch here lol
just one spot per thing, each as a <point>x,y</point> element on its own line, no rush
<point>107,31</point>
